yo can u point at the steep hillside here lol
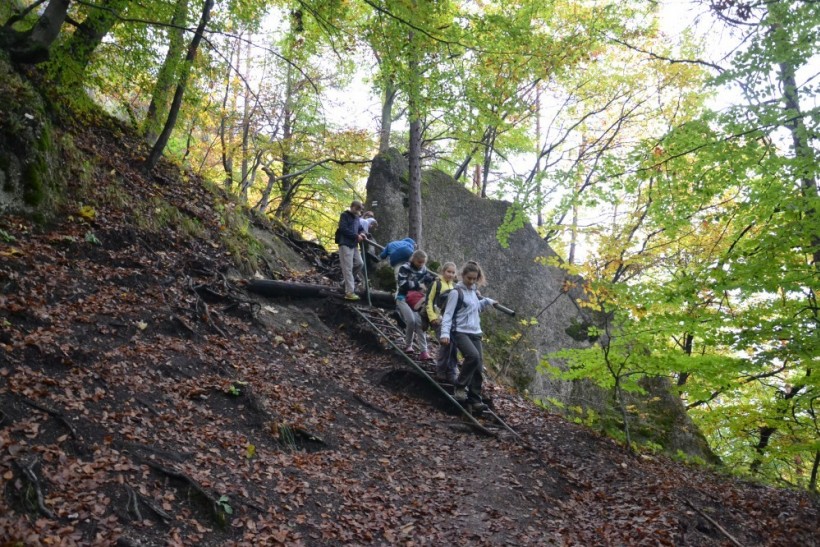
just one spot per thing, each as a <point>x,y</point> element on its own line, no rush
<point>146,399</point>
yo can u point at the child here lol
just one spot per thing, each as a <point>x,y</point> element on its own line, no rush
<point>463,327</point>
<point>446,361</point>
<point>411,278</point>
<point>368,221</point>
<point>398,252</point>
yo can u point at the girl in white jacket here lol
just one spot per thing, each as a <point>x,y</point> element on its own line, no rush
<point>461,324</point>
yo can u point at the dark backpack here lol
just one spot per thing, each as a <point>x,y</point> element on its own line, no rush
<point>440,302</point>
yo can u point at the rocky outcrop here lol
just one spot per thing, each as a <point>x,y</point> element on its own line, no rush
<point>460,226</point>
<point>29,155</point>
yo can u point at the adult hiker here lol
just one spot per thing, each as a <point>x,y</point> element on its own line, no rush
<point>412,278</point>
<point>398,252</point>
<point>350,233</point>
<point>462,327</point>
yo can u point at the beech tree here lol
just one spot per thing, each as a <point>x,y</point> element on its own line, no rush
<point>711,263</point>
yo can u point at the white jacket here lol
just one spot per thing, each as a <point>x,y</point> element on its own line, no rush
<point>467,319</point>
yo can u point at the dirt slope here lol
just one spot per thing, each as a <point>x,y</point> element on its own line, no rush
<point>145,399</point>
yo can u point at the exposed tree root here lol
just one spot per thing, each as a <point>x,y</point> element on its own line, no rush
<point>133,505</point>
<point>134,448</point>
<point>34,481</point>
<point>371,406</point>
<point>55,413</point>
<point>218,511</point>
<point>203,311</point>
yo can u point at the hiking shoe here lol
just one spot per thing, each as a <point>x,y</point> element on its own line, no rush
<point>409,350</point>
<point>476,407</point>
<point>425,356</point>
<point>353,297</point>
<point>460,394</point>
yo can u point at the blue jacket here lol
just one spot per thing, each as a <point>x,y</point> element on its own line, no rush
<point>349,229</point>
<point>399,251</point>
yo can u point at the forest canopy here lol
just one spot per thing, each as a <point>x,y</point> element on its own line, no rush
<point>695,226</point>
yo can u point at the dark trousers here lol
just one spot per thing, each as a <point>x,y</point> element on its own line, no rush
<point>472,369</point>
<point>447,358</point>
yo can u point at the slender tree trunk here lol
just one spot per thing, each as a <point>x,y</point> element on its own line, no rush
<point>414,154</point>
<point>388,98</point>
<point>488,156</point>
<point>465,164</point>
<point>765,433</point>
<point>573,234</point>
<point>225,131</point>
<point>168,74</point>
<point>539,189</point>
<point>624,415</point>
<point>246,128</point>
<point>264,201</point>
<point>814,467</point>
<point>162,141</point>
<point>288,185</point>
<point>688,344</point>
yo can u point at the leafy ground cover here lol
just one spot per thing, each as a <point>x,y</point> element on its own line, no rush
<point>145,399</point>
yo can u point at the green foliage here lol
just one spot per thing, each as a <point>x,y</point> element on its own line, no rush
<point>514,220</point>
<point>7,237</point>
<point>90,237</point>
<point>224,505</point>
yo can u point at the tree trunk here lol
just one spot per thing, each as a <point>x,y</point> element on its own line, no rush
<point>414,154</point>
<point>766,433</point>
<point>224,131</point>
<point>814,467</point>
<point>288,184</point>
<point>73,56</point>
<point>539,189</point>
<point>162,141</point>
<point>388,98</point>
<point>264,201</point>
<point>246,128</point>
<point>271,288</point>
<point>34,45</point>
<point>168,74</point>
<point>488,157</point>
<point>803,151</point>
<point>465,164</point>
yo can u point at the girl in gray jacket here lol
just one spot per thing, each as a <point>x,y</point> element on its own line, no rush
<point>461,325</point>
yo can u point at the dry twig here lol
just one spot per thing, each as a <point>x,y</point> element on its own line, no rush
<point>715,524</point>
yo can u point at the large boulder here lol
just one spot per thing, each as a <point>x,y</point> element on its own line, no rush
<point>460,226</point>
